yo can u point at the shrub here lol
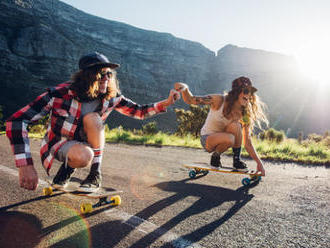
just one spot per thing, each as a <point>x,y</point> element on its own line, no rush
<point>262,135</point>
<point>279,137</point>
<point>272,135</point>
<point>300,137</point>
<point>326,141</point>
<point>314,137</point>
<point>191,121</point>
<point>150,128</point>
<point>122,136</point>
<point>106,128</point>
<point>159,141</point>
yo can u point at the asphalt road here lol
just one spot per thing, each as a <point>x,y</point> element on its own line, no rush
<point>162,207</point>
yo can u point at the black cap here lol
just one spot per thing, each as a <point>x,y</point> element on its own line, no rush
<point>95,59</point>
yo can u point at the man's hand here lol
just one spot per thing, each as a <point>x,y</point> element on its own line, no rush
<point>172,97</point>
<point>28,177</point>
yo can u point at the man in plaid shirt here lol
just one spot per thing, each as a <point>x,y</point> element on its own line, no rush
<point>75,134</point>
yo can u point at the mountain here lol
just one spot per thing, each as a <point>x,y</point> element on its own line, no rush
<point>42,40</point>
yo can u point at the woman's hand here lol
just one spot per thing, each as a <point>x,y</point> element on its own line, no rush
<point>260,168</point>
<point>172,97</point>
<point>180,86</point>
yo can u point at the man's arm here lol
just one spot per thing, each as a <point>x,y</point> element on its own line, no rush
<point>16,131</point>
<point>142,111</point>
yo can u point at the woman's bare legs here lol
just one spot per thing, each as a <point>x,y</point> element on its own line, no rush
<point>220,142</point>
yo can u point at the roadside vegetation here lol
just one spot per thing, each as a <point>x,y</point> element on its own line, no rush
<point>309,151</point>
<point>270,144</point>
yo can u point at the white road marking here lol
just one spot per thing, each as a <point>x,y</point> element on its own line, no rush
<point>138,223</point>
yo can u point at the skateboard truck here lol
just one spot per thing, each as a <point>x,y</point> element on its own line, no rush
<point>88,207</point>
<point>202,168</point>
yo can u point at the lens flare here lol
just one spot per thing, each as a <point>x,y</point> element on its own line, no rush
<point>73,231</point>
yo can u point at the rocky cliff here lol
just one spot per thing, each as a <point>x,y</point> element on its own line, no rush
<point>42,40</point>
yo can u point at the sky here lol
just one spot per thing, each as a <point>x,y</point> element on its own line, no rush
<point>299,28</point>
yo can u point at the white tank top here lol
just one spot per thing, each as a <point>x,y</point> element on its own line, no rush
<point>215,122</point>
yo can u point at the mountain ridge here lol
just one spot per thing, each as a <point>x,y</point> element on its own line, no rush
<point>40,45</point>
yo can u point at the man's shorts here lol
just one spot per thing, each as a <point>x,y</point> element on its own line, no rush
<point>62,153</point>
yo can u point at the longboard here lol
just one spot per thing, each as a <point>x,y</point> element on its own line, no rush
<point>73,187</point>
<point>204,169</point>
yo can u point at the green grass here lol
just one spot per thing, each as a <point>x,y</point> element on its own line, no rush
<point>119,135</point>
<point>289,150</point>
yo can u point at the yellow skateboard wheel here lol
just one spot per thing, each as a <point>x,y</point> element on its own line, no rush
<point>47,191</point>
<point>86,208</point>
<point>116,200</point>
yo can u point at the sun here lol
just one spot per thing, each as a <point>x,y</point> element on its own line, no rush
<point>313,60</point>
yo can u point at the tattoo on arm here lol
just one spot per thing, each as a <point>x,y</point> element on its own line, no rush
<point>202,99</point>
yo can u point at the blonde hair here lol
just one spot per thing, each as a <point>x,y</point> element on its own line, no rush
<point>253,115</point>
<point>85,84</point>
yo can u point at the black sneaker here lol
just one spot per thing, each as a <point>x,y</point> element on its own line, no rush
<point>92,182</point>
<point>63,175</point>
<point>215,160</point>
<point>240,166</point>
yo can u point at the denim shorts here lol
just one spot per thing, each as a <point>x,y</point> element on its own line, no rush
<point>203,141</point>
<point>62,153</point>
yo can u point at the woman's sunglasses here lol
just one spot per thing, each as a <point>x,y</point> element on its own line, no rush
<point>105,73</point>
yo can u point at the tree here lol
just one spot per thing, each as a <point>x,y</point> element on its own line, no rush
<point>192,120</point>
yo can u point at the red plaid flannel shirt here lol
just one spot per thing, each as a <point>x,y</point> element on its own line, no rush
<point>65,111</point>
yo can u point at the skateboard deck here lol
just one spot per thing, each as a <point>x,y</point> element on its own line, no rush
<point>73,187</point>
<point>204,169</point>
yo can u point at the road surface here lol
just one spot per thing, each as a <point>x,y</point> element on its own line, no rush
<point>162,207</point>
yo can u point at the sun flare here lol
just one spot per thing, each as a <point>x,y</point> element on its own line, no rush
<point>313,60</point>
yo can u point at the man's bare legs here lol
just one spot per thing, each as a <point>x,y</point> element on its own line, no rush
<point>80,155</point>
<point>94,129</point>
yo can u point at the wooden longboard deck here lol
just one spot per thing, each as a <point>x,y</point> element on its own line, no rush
<point>75,189</point>
<point>205,166</point>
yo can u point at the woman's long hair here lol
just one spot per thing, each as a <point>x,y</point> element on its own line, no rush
<point>253,114</point>
<point>85,84</point>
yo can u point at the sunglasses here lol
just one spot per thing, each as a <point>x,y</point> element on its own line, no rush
<point>105,73</point>
<point>246,91</point>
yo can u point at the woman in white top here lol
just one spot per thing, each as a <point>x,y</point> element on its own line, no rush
<point>230,120</point>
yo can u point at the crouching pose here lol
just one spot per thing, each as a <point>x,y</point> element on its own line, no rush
<point>75,134</point>
<point>230,120</point>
